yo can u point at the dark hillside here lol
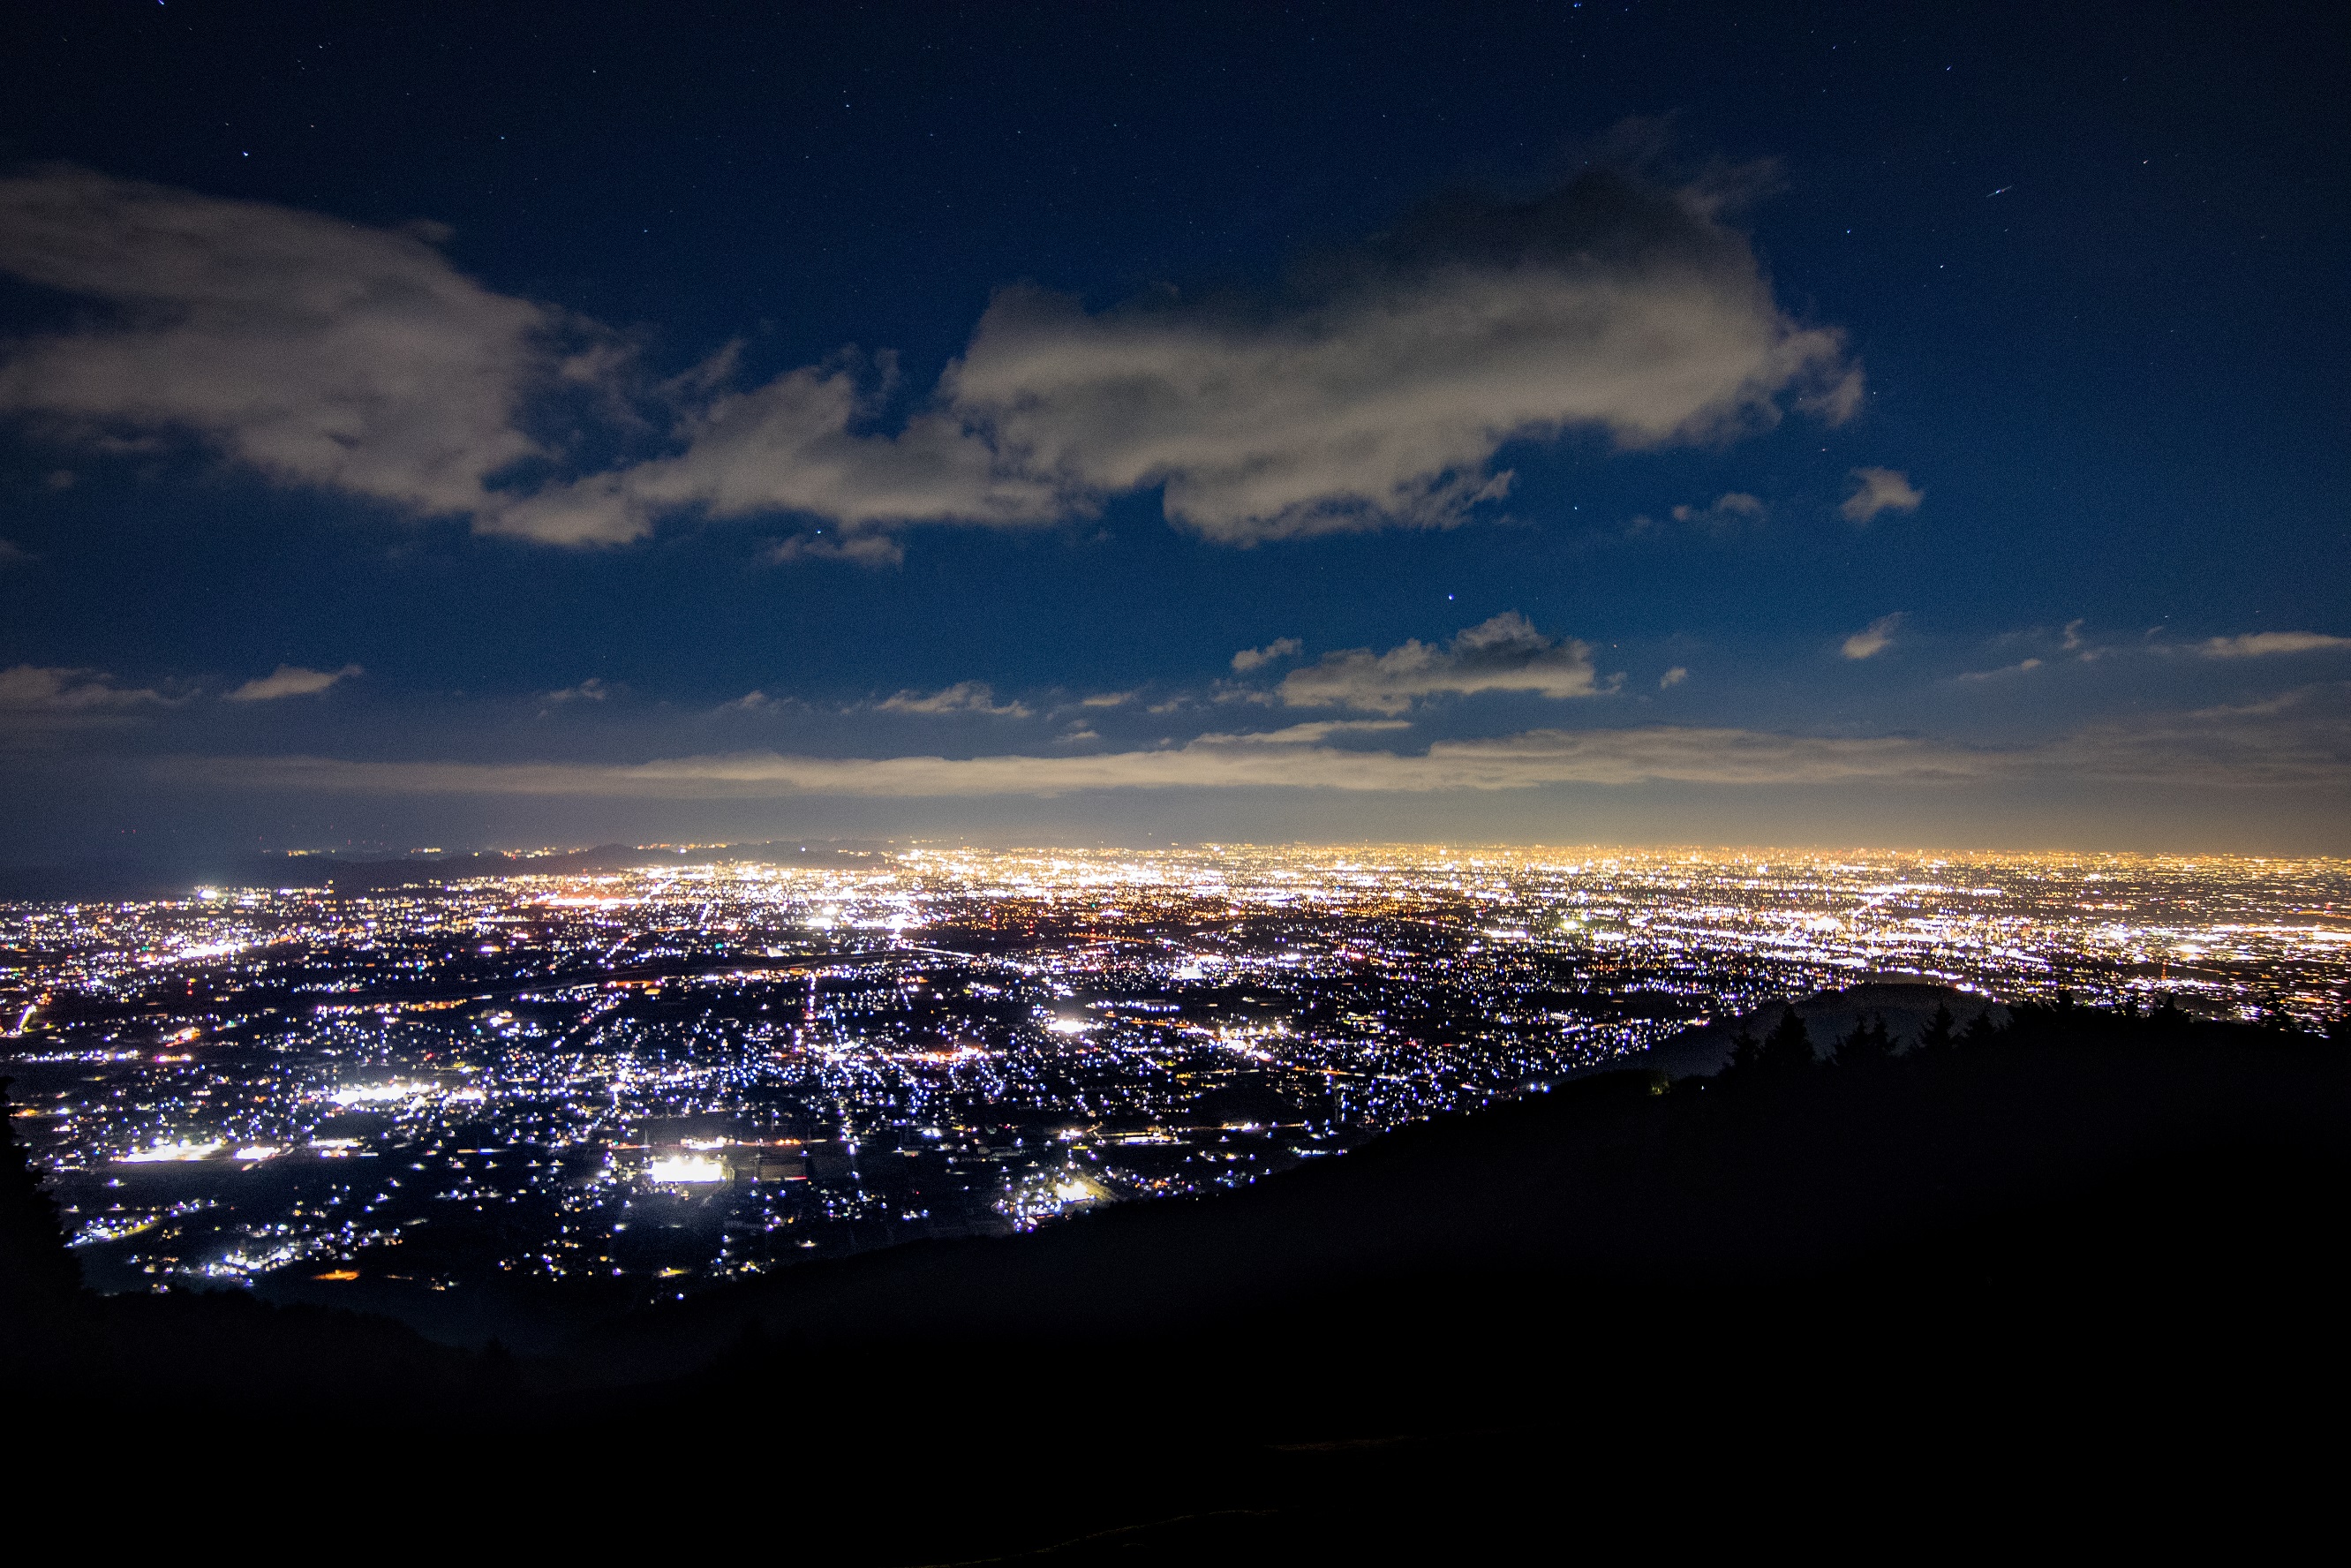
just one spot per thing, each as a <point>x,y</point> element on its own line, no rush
<point>2081,1235</point>
<point>2082,1241</point>
<point>1620,1179</point>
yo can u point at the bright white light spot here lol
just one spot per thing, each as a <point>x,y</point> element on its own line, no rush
<point>686,1168</point>
<point>376,1093</point>
<point>198,950</point>
<point>179,1151</point>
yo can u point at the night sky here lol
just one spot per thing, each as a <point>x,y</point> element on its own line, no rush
<point>509,426</point>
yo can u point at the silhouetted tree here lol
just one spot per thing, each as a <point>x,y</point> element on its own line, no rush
<point>34,1266</point>
<point>1868,1043</point>
<point>1787,1048</point>
<point>1746,1050</point>
<point>1982,1031</point>
<point>1941,1032</point>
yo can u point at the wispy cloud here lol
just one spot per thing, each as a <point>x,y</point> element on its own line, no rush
<point>290,681</point>
<point>1879,490</point>
<point>1510,762</point>
<point>858,548</point>
<point>1672,677</point>
<point>1311,734</point>
<point>50,690</point>
<point>1505,654</point>
<point>1872,639</point>
<point>1280,648</point>
<point>1725,513</point>
<point>2023,667</point>
<point>963,697</point>
<point>2286,744</point>
<point>2258,645</point>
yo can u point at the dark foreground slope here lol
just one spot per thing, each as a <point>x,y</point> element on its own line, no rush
<point>2081,1247</point>
<point>1618,1182</point>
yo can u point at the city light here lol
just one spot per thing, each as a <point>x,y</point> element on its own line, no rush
<point>180,1149</point>
<point>685,1168</point>
<point>694,1071</point>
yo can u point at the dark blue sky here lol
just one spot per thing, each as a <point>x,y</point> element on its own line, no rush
<point>1955,400</point>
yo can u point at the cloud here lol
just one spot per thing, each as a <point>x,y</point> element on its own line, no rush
<point>1726,513</point>
<point>2256,644</point>
<point>2296,738</point>
<point>1879,490</point>
<point>857,549</point>
<point>1280,648</point>
<point>1503,655</point>
<point>1375,389</point>
<point>1378,389</point>
<point>591,690</point>
<point>964,696</point>
<point>1306,733</point>
<point>12,552</point>
<point>34,689</point>
<point>318,351</point>
<point>1510,762</point>
<point>2023,667</point>
<point>789,446</point>
<point>1107,699</point>
<point>2291,744</point>
<point>1872,639</point>
<point>291,680</point>
<point>1672,677</point>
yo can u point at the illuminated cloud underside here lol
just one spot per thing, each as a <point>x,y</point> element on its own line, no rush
<point>2223,750</point>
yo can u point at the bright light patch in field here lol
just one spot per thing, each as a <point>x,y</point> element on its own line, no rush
<point>174,1151</point>
<point>376,1094</point>
<point>685,1168</point>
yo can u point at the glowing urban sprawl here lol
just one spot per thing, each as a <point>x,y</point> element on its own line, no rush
<point>682,1072</point>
